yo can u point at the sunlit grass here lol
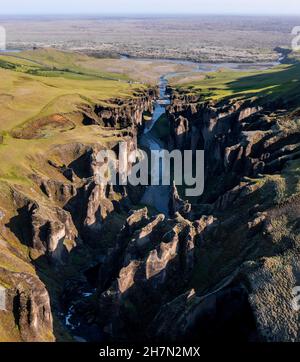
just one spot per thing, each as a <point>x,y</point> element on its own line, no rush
<point>279,81</point>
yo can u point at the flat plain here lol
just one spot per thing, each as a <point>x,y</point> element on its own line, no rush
<point>197,38</point>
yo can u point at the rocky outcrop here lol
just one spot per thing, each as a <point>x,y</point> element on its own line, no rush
<point>120,114</point>
<point>48,230</point>
<point>144,239</point>
<point>176,204</point>
<point>98,208</point>
<point>207,126</point>
<point>27,300</point>
<point>58,191</point>
<point>155,262</point>
<point>135,220</point>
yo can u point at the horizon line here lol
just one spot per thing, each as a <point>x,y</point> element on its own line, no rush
<point>146,14</point>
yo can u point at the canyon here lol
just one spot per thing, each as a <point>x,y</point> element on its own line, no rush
<point>88,262</point>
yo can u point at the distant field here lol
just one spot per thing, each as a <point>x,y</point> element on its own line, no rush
<point>199,38</point>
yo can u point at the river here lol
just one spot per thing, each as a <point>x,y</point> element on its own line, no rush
<point>156,196</point>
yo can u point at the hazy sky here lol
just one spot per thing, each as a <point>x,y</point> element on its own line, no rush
<point>279,7</point>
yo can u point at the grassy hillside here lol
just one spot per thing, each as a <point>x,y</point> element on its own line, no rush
<point>52,63</point>
<point>283,80</point>
<point>28,98</point>
<point>24,97</point>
